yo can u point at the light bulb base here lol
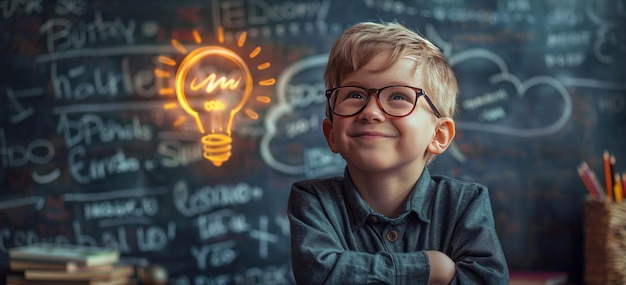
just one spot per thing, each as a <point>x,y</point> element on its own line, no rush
<point>217,148</point>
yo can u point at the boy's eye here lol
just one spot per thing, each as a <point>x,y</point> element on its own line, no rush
<point>355,95</point>
<point>399,96</point>
<point>352,95</point>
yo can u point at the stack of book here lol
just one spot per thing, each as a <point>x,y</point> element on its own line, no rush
<point>42,263</point>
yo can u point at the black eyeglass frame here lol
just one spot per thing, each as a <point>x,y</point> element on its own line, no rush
<point>369,91</point>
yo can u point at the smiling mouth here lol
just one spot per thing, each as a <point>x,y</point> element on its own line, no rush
<point>370,135</point>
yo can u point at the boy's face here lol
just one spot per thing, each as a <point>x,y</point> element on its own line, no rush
<point>373,141</point>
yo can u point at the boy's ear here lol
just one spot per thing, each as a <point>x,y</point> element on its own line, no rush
<point>327,127</point>
<point>444,134</point>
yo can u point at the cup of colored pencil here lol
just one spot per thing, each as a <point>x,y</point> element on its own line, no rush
<point>614,185</point>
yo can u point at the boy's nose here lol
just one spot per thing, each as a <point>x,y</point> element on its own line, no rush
<point>372,110</point>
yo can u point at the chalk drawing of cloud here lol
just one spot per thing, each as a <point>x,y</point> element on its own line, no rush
<point>610,37</point>
<point>293,141</point>
<point>539,106</point>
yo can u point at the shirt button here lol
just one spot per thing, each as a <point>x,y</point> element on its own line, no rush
<point>392,236</point>
<point>373,219</point>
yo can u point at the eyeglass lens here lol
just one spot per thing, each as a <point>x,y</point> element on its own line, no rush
<point>395,100</point>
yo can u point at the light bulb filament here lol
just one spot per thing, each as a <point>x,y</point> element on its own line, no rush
<point>212,84</point>
<point>214,105</point>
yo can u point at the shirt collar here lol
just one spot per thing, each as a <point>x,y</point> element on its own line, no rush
<point>417,202</point>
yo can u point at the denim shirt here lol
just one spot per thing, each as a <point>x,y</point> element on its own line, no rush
<point>336,238</point>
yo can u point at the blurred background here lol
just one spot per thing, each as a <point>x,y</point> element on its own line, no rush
<point>104,138</point>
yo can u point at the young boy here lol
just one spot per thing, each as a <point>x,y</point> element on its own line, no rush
<point>391,99</point>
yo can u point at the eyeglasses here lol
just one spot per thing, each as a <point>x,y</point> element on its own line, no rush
<point>395,100</point>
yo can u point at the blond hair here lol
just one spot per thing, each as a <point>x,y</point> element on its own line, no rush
<point>363,41</point>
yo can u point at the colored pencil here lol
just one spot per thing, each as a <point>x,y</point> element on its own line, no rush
<point>612,167</point>
<point>594,181</point>
<point>587,183</point>
<point>624,184</point>
<point>608,175</point>
<point>619,192</point>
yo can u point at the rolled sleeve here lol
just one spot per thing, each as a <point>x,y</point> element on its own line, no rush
<point>476,249</point>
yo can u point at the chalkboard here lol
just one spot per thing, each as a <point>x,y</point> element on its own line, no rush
<point>97,147</point>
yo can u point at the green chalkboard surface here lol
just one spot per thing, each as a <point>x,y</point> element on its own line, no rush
<point>103,136</point>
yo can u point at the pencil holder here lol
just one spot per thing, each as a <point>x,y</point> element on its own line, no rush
<point>605,242</point>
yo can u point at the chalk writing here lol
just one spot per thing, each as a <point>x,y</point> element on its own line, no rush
<point>220,223</point>
<point>116,194</point>
<point>569,39</point>
<point>83,83</point>
<point>563,17</point>
<point>19,112</point>
<point>488,98</point>
<point>120,208</point>
<point>16,237</point>
<point>92,128</point>
<point>263,236</point>
<point>391,6</point>
<point>492,114</point>
<point>154,238</point>
<point>300,95</point>
<point>69,7</point>
<point>283,223</point>
<point>84,169</point>
<point>615,103</point>
<point>214,255</point>
<point>594,83</point>
<point>267,19</point>
<point>38,152</point>
<point>176,154</point>
<point>570,59</point>
<point>303,125</point>
<point>610,40</point>
<point>320,161</point>
<point>62,34</point>
<point>38,203</point>
<point>11,8</point>
<point>258,12</point>
<point>518,6</point>
<point>521,88</point>
<point>284,107</point>
<point>483,16</point>
<point>206,198</point>
<point>227,223</point>
<point>150,238</point>
<point>106,52</point>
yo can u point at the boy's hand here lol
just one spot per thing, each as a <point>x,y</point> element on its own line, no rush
<point>442,268</point>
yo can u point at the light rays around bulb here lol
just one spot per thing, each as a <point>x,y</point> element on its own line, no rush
<point>164,72</point>
<point>215,129</point>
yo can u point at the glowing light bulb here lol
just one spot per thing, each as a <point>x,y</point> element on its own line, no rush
<point>213,100</point>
